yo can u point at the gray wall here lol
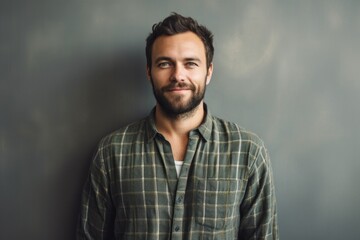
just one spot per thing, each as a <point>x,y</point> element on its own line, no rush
<point>72,71</point>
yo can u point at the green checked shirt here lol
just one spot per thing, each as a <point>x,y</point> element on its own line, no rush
<point>225,189</point>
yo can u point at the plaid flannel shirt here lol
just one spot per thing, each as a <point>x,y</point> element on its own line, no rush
<point>225,189</point>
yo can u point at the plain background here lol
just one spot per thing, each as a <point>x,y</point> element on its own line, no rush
<point>73,71</point>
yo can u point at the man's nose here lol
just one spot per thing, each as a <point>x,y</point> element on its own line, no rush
<point>178,73</point>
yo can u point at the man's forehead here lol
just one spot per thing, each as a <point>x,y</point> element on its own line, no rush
<point>188,35</point>
<point>187,44</point>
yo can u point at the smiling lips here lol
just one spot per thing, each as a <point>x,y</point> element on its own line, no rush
<point>178,87</point>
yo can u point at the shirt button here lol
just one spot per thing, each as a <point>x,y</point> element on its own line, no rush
<point>177,228</point>
<point>179,199</point>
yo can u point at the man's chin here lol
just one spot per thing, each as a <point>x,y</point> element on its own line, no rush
<point>179,110</point>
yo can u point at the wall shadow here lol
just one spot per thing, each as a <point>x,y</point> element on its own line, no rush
<point>112,92</point>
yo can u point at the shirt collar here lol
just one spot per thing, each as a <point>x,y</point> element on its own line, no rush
<point>207,124</point>
<point>151,130</point>
<point>204,129</point>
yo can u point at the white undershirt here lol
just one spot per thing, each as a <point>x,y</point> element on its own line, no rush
<point>178,165</point>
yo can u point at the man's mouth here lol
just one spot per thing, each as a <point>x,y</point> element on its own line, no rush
<point>178,88</point>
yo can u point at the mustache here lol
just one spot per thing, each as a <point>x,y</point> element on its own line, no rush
<point>180,85</point>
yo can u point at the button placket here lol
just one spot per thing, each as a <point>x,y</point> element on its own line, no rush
<point>179,207</point>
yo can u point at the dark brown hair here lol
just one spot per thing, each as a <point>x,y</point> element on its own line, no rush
<point>174,24</point>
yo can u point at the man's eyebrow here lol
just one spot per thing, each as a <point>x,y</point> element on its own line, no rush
<point>162,58</point>
<point>192,59</point>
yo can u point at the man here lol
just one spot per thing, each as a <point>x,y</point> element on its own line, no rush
<point>180,173</point>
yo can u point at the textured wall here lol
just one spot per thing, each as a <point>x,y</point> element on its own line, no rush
<point>72,71</point>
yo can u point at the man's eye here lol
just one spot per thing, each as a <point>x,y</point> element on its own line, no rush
<point>191,64</point>
<point>164,65</point>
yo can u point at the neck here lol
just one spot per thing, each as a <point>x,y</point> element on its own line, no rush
<point>179,125</point>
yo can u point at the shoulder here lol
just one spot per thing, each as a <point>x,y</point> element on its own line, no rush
<point>125,135</point>
<point>247,144</point>
<point>240,140</point>
<point>236,132</point>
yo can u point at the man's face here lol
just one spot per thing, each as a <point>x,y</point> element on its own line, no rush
<point>178,73</point>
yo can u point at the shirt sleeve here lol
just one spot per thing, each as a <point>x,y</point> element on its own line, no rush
<point>96,218</point>
<point>258,209</point>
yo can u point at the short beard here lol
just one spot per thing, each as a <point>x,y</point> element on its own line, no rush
<point>182,111</point>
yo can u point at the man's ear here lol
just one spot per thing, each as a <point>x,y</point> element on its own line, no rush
<point>209,73</point>
<point>148,72</point>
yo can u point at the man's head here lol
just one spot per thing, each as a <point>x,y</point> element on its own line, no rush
<point>175,24</point>
<point>179,55</point>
